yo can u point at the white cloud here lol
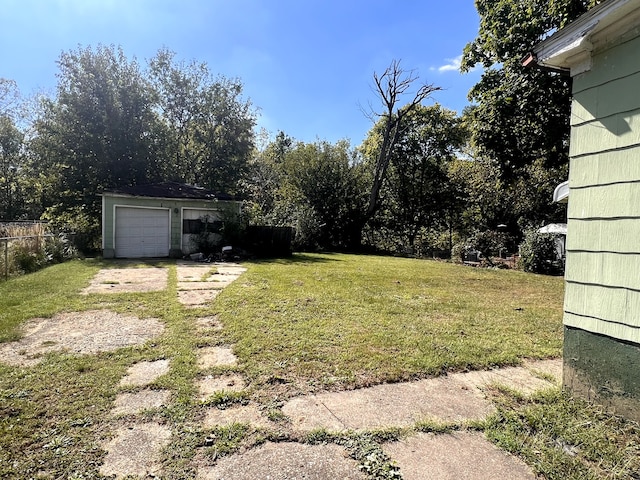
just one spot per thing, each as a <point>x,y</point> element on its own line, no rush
<point>452,65</point>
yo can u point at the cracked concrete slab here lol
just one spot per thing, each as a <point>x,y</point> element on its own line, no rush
<point>399,405</point>
<point>87,332</point>
<point>130,403</point>
<point>143,373</point>
<point>135,450</point>
<point>456,456</point>
<point>285,461</point>
<point>182,286</point>
<point>524,379</point>
<point>193,272</point>
<point>456,397</point>
<point>121,280</point>
<point>230,269</point>
<point>221,281</point>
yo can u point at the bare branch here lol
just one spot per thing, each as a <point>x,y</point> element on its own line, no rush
<point>390,86</point>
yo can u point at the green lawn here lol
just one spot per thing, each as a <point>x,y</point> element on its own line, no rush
<point>344,321</point>
<point>309,323</point>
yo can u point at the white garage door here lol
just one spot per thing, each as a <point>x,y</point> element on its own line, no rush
<point>142,232</point>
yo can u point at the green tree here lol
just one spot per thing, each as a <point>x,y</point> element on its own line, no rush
<point>11,170</point>
<point>327,179</point>
<point>391,86</point>
<point>315,187</point>
<point>208,127</point>
<point>520,120</point>
<point>418,181</point>
<point>97,133</point>
<point>262,185</point>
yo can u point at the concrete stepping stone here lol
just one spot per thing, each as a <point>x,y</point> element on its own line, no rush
<point>220,280</point>
<point>119,280</point>
<point>282,461</point>
<point>193,272</point>
<point>248,414</point>
<point>457,456</point>
<point>205,323</point>
<point>196,298</point>
<point>199,286</point>
<point>456,397</point>
<point>130,403</point>
<point>216,357</point>
<point>389,405</point>
<point>143,373</point>
<point>135,450</point>
<point>228,383</point>
<point>518,378</point>
<point>230,269</point>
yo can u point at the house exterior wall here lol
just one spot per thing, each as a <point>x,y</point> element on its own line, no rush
<point>175,206</point>
<point>602,297</point>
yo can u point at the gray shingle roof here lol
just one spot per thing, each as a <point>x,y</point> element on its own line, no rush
<point>171,190</point>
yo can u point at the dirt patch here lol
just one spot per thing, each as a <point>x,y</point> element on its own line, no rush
<point>87,332</point>
<point>122,280</point>
<point>205,323</point>
<point>135,450</point>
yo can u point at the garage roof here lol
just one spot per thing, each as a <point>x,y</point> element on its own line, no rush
<point>170,190</point>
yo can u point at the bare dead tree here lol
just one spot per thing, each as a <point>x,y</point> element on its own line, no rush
<point>390,87</point>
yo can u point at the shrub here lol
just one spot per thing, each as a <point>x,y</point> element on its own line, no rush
<point>82,227</point>
<point>538,253</point>
<point>59,248</point>
<point>307,229</point>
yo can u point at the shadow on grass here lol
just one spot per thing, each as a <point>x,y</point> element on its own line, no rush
<point>295,259</point>
<point>301,258</point>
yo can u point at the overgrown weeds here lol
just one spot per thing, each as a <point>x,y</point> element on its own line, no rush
<point>28,247</point>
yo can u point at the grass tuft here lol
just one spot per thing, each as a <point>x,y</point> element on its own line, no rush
<point>562,437</point>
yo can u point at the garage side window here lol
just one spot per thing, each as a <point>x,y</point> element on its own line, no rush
<point>201,225</point>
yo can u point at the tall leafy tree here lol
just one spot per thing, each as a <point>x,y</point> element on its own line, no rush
<point>520,119</point>
<point>209,135</point>
<point>316,187</point>
<point>419,184</point>
<point>327,179</point>
<point>11,170</point>
<point>417,196</point>
<point>97,133</point>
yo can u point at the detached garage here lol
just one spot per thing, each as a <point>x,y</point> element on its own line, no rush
<point>157,220</point>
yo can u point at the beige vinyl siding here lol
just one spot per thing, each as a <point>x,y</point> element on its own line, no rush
<point>603,243</point>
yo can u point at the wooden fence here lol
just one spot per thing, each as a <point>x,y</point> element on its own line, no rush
<point>264,241</point>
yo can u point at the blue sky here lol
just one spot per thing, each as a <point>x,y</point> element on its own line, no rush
<point>306,64</point>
